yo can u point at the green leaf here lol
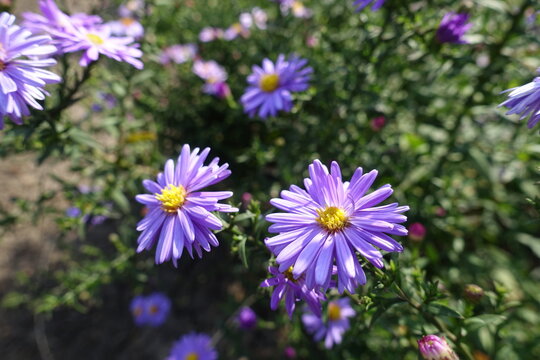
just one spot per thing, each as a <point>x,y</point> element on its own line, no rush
<point>477,322</point>
<point>438,309</point>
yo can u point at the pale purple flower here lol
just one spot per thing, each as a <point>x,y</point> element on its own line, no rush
<point>22,77</point>
<point>208,34</point>
<point>433,347</point>
<point>193,347</point>
<point>151,310</point>
<point>246,318</point>
<point>270,87</point>
<point>361,4</point>
<point>126,26</point>
<point>179,214</point>
<point>214,76</point>
<point>178,53</point>
<point>292,290</point>
<point>73,212</point>
<point>453,27</point>
<point>331,221</point>
<point>297,8</point>
<point>235,30</point>
<point>257,16</point>
<point>83,33</point>
<point>525,100</point>
<point>334,324</point>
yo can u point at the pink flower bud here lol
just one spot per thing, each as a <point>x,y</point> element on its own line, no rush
<point>433,347</point>
<point>417,232</point>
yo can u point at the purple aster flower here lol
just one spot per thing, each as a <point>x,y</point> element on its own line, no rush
<point>330,221</point>
<point>193,347</point>
<point>208,34</point>
<point>271,85</point>
<point>293,290</point>
<point>525,100</point>
<point>215,77</point>
<point>298,9</point>
<point>22,79</point>
<point>178,54</point>
<point>433,347</point>
<point>73,212</point>
<point>83,33</point>
<point>336,322</point>
<point>361,4</point>
<point>138,310</point>
<point>452,28</point>
<point>157,308</point>
<point>179,214</point>
<point>127,26</point>
<point>246,318</point>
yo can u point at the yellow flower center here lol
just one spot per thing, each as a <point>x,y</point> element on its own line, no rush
<point>334,312</point>
<point>95,39</point>
<point>269,82</point>
<point>289,275</point>
<point>126,21</point>
<point>332,218</point>
<point>192,356</point>
<point>172,198</point>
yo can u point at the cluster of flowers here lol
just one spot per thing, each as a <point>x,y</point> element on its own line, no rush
<point>294,7</point>
<point>257,17</point>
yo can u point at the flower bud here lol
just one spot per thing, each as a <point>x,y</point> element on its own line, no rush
<point>417,232</point>
<point>289,352</point>
<point>473,293</point>
<point>378,123</point>
<point>433,347</point>
<point>247,319</point>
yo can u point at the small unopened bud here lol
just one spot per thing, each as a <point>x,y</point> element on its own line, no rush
<point>473,293</point>
<point>289,352</point>
<point>246,199</point>
<point>378,123</point>
<point>433,347</point>
<point>247,319</point>
<point>417,232</point>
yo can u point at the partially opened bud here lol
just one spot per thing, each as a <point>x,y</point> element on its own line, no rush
<point>433,347</point>
<point>473,293</point>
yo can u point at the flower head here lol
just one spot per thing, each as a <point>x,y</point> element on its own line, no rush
<point>178,54</point>
<point>296,7</point>
<point>85,33</point>
<point>329,222</point>
<point>247,319</point>
<point>150,310</point>
<point>333,326</point>
<point>22,77</point>
<point>452,28</point>
<point>378,123</point>
<point>179,214</point>
<point>361,4</point>
<point>433,347</point>
<point>235,30</point>
<point>417,231</point>
<point>193,347</point>
<point>127,26</point>
<point>525,100</point>
<point>293,290</point>
<point>271,85</point>
<point>214,76</point>
<point>208,34</point>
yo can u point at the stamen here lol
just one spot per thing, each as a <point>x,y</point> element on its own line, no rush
<point>269,82</point>
<point>334,312</point>
<point>95,39</point>
<point>332,219</point>
<point>172,198</point>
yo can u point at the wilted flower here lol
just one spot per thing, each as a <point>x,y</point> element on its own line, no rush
<point>452,28</point>
<point>271,85</point>
<point>433,347</point>
<point>525,100</point>
<point>293,290</point>
<point>179,214</point>
<point>208,34</point>
<point>378,123</point>
<point>22,59</point>
<point>150,310</point>
<point>335,324</point>
<point>417,231</point>
<point>247,319</point>
<point>361,4</point>
<point>329,222</point>
<point>82,32</point>
<point>193,347</point>
<point>178,54</point>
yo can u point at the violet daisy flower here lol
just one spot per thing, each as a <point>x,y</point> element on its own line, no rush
<point>179,214</point>
<point>331,221</point>
<point>126,26</point>
<point>452,28</point>
<point>193,347</point>
<point>157,308</point>
<point>335,324</point>
<point>433,347</point>
<point>22,79</point>
<point>293,290</point>
<point>361,4</point>
<point>83,33</point>
<point>525,100</point>
<point>138,310</point>
<point>178,54</point>
<point>271,85</point>
<point>215,77</point>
